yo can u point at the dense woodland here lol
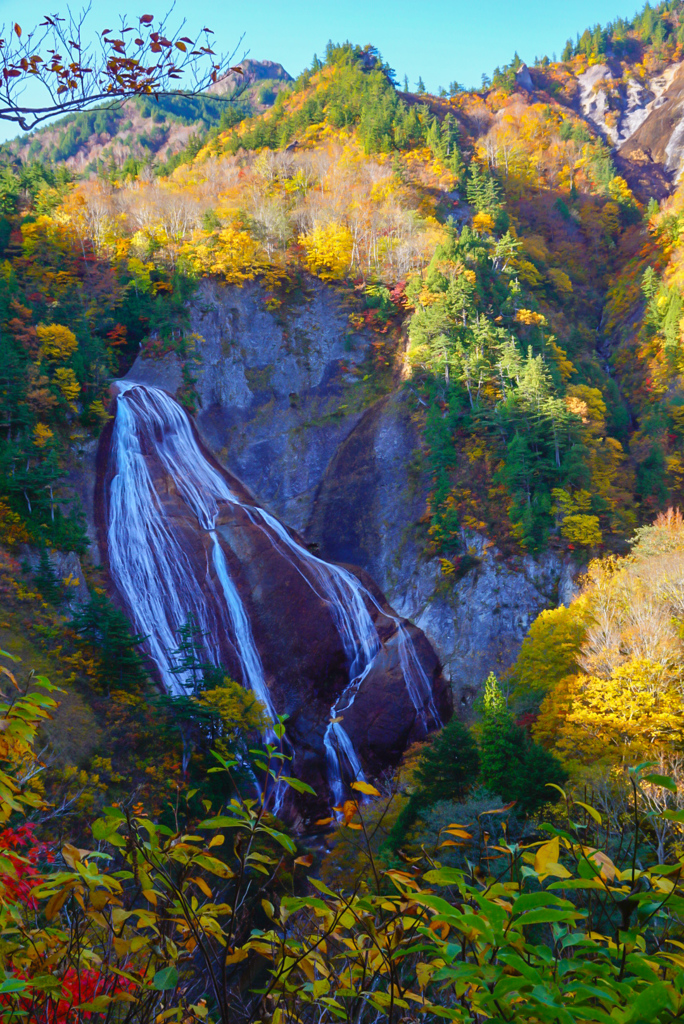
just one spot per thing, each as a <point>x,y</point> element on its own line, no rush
<point>525,865</point>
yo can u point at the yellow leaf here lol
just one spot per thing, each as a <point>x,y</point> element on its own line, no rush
<point>217,841</point>
<point>547,854</point>
<point>348,809</point>
<point>424,972</point>
<point>202,885</point>
<point>99,899</point>
<point>604,863</point>
<point>365,787</point>
<point>590,810</point>
<point>236,956</point>
<point>454,830</point>
<point>56,902</point>
<point>72,855</point>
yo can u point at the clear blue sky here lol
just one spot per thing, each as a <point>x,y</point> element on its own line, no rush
<point>440,40</point>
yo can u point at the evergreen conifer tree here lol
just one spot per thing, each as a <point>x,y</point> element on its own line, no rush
<point>511,765</point>
<point>447,769</point>
<point>47,581</point>
<point>105,628</point>
<point>449,765</point>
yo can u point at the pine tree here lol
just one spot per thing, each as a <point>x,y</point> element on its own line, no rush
<point>495,737</point>
<point>188,658</point>
<point>105,628</point>
<point>47,580</point>
<point>446,771</point>
<point>511,765</point>
<point>449,766</point>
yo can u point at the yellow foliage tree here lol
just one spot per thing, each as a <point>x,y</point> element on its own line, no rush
<point>530,318</point>
<point>560,280</point>
<point>58,342</point>
<point>613,663</point>
<point>619,190</point>
<point>12,530</point>
<point>582,529</point>
<point>550,650</point>
<point>577,525</point>
<point>630,716</point>
<point>42,435</point>
<point>328,251</point>
<point>232,253</point>
<point>65,379</point>
<point>483,223</point>
<point>232,710</point>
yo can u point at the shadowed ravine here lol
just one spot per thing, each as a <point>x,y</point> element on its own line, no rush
<point>308,637</point>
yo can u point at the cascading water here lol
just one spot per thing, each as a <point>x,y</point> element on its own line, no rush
<point>153,574</point>
<point>162,588</point>
<point>348,600</point>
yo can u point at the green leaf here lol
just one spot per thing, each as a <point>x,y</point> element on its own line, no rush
<point>165,980</point>
<point>532,900</point>
<point>221,822</point>
<point>545,915</point>
<point>96,1005</point>
<point>284,840</point>
<point>301,787</point>
<point>13,984</point>
<point>661,780</point>
<point>444,876</point>
<point>103,827</point>
<point>651,1001</point>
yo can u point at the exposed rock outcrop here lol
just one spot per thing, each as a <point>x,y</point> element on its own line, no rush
<point>280,409</point>
<point>67,570</point>
<point>313,642</point>
<point>642,119</point>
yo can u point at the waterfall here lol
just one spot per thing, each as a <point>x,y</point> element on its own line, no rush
<point>162,588</point>
<point>348,600</point>
<point>149,567</point>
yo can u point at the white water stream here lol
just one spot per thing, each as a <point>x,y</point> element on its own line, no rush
<point>162,588</point>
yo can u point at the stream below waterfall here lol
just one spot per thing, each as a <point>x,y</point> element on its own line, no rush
<point>154,451</point>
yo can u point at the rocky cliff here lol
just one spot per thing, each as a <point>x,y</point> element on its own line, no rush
<point>281,408</point>
<point>641,117</point>
<point>315,642</point>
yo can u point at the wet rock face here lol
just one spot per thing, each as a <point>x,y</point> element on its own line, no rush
<point>181,536</point>
<point>366,510</point>
<point>381,719</point>
<point>352,483</point>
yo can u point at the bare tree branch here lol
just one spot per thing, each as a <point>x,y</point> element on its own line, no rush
<point>74,71</point>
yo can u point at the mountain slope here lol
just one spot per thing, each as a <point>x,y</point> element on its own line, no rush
<point>149,132</point>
